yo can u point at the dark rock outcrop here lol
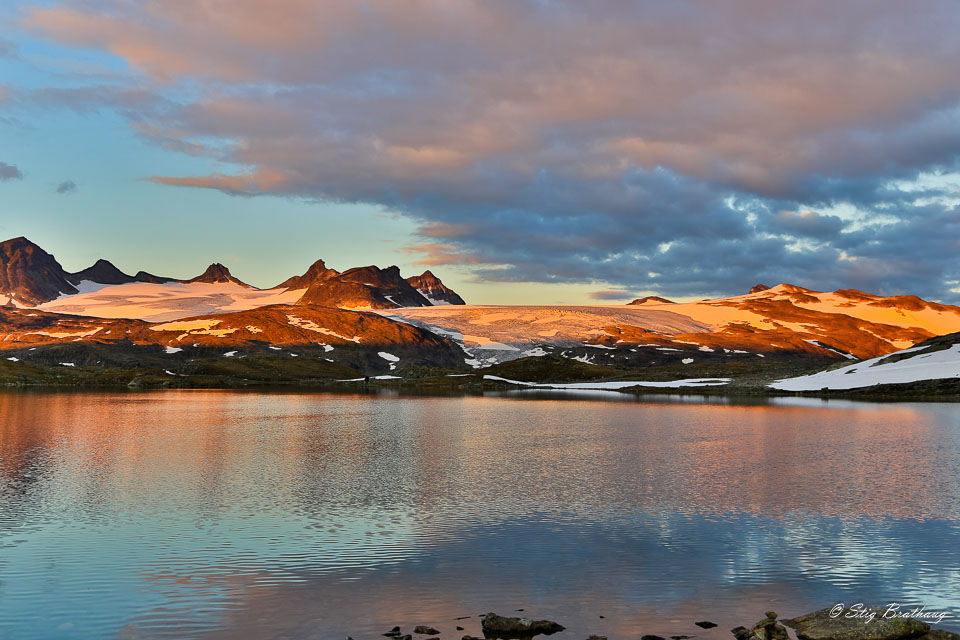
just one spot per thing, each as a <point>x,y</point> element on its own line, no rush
<point>849,624</point>
<point>216,273</point>
<point>317,272</point>
<point>29,275</point>
<point>757,288</point>
<point>654,299</point>
<point>495,626</point>
<point>143,276</point>
<point>433,289</point>
<point>425,630</point>
<point>364,287</point>
<point>104,272</point>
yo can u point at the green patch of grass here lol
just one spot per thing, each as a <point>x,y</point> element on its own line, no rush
<point>262,368</point>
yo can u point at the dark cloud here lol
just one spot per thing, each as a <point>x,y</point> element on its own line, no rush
<point>808,223</point>
<point>695,149</point>
<point>9,172</point>
<point>611,294</point>
<point>68,186</point>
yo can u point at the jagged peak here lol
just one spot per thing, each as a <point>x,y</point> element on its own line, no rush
<point>31,275</point>
<point>20,243</point>
<point>216,273</point>
<point>757,288</point>
<point>143,276</point>
<point>426,280</point>
<point>373,275</point>
<point>103,272</point>
<point>316,272</point>
<point>19,240</point>
<point>433,289</point>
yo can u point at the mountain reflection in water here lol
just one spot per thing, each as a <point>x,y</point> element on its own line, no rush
<point>250,515</point>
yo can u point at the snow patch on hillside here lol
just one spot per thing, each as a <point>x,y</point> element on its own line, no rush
<point>936,365</point>
<point>168,301</point>
<point>310,325</point>
<point>66,334</point>
<point>618,384</point>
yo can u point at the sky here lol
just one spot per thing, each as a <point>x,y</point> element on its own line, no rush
<point>526,151</point>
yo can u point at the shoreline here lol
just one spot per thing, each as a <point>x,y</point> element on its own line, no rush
<point>939,391</point>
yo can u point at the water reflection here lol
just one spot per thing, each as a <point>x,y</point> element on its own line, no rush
<point>261,515</point>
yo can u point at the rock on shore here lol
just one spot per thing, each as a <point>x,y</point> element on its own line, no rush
<point>826,624</point>
<point>495,626</point>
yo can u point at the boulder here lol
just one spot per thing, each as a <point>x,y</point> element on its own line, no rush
<point>766,629</point>
<point>495,626</point>
<point>855,624</point>
<point>425,630</point>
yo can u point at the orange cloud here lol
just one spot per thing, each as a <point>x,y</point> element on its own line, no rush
<point>442,254</point>
<point>260,181</point>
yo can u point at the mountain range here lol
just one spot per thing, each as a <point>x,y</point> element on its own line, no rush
<point>31,277</point>
<point>373,321</point>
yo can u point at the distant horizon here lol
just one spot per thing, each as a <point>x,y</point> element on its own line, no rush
<point>439,273</point>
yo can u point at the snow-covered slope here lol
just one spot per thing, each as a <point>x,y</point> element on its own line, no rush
<point>169,301</point>
<point>492,334</point>
<point>936,359</point>
<point>796,308</point>
<point>781,319</point>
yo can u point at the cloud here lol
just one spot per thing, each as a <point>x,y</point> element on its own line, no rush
<point>690,148</point>
<point>9,172</point>
<point>808,223</point>
<point>611,294</point>
<point>68,186</point>
<point>8,49</point>
<point>259,182</point>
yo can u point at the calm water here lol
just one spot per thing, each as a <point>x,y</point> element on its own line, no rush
<point>240,515</point>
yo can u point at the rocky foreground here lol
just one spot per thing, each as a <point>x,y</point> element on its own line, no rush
<point>833,623</point>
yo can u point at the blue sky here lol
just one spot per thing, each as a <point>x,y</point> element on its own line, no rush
<point>524,151</point>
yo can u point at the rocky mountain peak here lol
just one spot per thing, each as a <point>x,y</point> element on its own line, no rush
<point>29,275</point>
<point>318,271</point>
<point>104,272</point>
<point>433,289</point>
<point>216,273</point>
<point>364,287</point>
<point>143,276</point>
<point>757,288</point>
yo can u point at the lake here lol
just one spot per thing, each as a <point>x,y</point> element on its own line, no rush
<point>217,514</point>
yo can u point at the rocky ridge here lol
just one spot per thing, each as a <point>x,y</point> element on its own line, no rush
<point>433,289</point>
<point>30,277</point>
